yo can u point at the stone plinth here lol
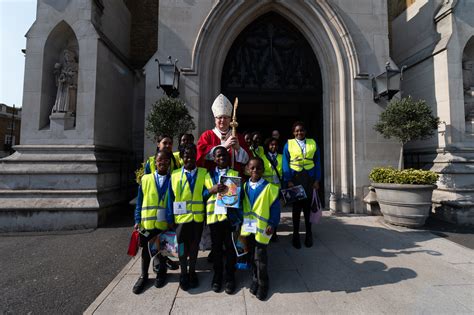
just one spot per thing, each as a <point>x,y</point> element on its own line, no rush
<point>61,121</point>
<point>453,200</point>
<point>62,186</point>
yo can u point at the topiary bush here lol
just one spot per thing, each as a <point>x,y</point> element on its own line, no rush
<point>169,116</point>
<point>389,175</point>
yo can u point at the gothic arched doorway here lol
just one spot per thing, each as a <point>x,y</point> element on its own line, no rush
<point>274,72</point>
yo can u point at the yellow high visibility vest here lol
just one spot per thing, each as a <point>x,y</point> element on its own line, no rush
<point>179,161</point>
<point>194,200</point>
<point>260,211</point>
<point>298,161</point>
<point>258,152</point>
<point>269,173</point>
<point>211,202</point>
<point>153,209</point>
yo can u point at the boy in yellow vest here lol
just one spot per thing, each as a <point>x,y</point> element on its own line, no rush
<point>150,216</point>
<point>186,209</point>
<point>261,211</point>
<point>221,225</point>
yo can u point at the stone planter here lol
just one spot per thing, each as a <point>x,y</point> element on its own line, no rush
<point>404,204</point>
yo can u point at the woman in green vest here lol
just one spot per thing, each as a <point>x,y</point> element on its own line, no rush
<point>186,210</point>
<point>301,166</point>
<point>150,216</point>
<point>261,213</point>
<point>221,225</point>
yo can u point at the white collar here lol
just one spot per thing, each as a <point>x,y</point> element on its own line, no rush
<point>255,185</point>
<point>192,172</point>
<point>301,141</point>
<point>219,133</point>
<point>221,170</point>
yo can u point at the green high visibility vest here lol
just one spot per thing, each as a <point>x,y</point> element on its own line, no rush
<point>211,202</point>
<point>258,152</point>
<point>260,211</point>
<point>298,160</point>
<point>153,209</point>
<point>194,200</point>
<point>269,173</point>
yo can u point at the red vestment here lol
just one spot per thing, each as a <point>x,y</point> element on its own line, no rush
<point>209,140</point>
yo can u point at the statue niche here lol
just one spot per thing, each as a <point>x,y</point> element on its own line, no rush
<point>66,81</point>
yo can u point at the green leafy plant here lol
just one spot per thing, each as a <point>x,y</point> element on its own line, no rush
<point>407,120</point>
<point>389,175</point>
<point>169,116</point>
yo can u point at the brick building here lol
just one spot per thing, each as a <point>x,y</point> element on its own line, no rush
<point>10,123</point>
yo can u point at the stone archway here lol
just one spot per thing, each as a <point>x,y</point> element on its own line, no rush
<point>334,49</point>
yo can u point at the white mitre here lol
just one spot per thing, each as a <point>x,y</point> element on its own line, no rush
<point>221,106</point>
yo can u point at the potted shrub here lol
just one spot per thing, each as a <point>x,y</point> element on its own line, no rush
<point>404,196</point>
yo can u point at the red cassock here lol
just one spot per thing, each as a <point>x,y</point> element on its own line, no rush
<point>209,140</point>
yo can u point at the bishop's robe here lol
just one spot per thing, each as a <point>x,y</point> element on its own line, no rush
<point>211,139</point>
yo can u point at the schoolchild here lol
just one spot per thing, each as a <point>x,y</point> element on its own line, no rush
<point>273,170</point>
<point>186,210</point>
<point>163,143</point>
<point>150,216</point>
<point>301,166</point>
<point>256,148</point>
<point>261,214</point>
<point>221,225</point>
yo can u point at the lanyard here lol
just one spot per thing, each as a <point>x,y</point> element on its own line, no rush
<point>161,190</point>
<point>302,151</point>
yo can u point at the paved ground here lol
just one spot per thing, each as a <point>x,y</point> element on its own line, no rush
<point>358,265</point>
<point>63,272</point>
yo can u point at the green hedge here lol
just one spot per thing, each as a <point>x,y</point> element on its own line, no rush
<point>389,175</point>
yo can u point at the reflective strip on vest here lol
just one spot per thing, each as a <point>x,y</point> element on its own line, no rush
<point>152,208</point>
<point>260,211</point>
<point>298,161</point>
<point>211,202</point>
<point>194,201</point>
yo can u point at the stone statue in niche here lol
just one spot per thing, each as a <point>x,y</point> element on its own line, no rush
<point>66,82</point>
<point>468,86</point>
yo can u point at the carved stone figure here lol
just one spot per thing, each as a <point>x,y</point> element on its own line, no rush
<point>66,82</point>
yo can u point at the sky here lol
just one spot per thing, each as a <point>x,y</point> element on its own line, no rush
<point>16,18</point>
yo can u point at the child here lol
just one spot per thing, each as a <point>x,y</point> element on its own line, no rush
<point>186,209</point>
<point>220,225</point>
<point>184,139</point>
<point>261,212</point>
<point>273,168</point>
<point>272,162</point>
<point>150,216</point>
<point>163,143</point>
<point>256,148</point>
<point>302,166</point>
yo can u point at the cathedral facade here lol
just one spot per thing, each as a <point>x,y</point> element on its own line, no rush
<point>91,78</point>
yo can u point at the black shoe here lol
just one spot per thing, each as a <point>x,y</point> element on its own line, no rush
<point>193,280</point>
<point>216,284</point>
<point>172,265</point>
<point>230,287</point>
<point>296,241</point>
<point>160,280</point>
<point>308,241</point>
<point>274,238</point>
<point>140,285</point>
<point>184,282</point>
<point>254,287</point>
<point>262,293</point>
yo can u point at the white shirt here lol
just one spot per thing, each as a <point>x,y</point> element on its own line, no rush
<point>192,172</point>
<point>221,171</point>
<point>302,144</point>
<point>241,155</point>
<point>161,178</point>
<point>254,185</point>
<point>273,156</point>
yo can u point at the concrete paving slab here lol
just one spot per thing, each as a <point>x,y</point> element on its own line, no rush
<point>153,301</point>
<point>357,265</point>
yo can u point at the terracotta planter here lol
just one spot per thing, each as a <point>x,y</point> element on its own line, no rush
<point>404,204</point>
